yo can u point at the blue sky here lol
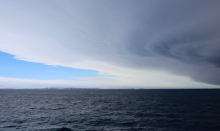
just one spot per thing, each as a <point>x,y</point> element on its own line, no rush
<point>14,68</point>
<point>110,44</point>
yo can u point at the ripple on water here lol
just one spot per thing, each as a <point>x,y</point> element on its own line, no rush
<point>57,110</point>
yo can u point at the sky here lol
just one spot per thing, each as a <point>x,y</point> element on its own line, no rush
<point>110,44</point>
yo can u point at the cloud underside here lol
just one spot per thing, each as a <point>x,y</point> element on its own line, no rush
<point>128,39</point>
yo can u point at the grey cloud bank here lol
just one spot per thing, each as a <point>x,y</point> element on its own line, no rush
<point>178,36</point>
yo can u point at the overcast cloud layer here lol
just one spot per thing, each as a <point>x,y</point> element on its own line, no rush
<point>175,42</point>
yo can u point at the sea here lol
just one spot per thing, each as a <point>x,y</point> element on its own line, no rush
<point>110,110</point>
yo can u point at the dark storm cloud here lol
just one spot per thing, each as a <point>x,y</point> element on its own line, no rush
<point>184,31</point>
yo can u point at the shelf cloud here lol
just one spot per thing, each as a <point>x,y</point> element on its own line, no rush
<point>123,38</point>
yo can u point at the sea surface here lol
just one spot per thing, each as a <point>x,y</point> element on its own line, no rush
<point>110,110</point>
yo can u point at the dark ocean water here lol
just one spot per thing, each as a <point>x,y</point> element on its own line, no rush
<point>116,110</point>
